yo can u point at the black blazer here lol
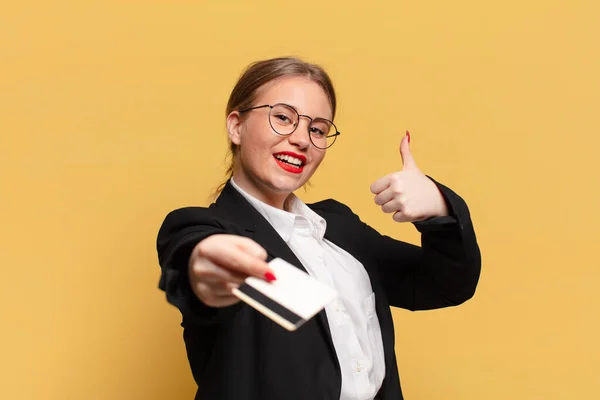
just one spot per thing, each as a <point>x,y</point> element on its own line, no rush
<point>236,353</point>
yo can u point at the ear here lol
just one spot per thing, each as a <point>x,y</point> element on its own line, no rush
<point>234,127</point>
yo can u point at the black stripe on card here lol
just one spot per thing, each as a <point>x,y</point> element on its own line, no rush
<point>271,304</point>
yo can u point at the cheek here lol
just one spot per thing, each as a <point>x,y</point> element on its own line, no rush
<point>317,157</point>
<point>257,147</point>
<point>259,137</point>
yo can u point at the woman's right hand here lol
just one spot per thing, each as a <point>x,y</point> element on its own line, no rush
<point>220,263</point>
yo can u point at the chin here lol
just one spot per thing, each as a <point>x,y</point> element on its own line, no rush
<point>287,185</point>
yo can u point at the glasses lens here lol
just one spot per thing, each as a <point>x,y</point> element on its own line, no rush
<point>322,133</point>
<point>283,119</point>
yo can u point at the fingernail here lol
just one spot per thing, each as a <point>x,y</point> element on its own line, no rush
<point>408,135</point>
<point>269,276</point>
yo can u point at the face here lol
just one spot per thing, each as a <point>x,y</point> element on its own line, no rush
<point>264,165</point>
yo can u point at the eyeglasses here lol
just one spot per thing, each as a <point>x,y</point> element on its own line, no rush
<point>284,119</point>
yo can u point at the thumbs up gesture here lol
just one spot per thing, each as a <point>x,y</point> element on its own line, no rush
<point>408,194</point>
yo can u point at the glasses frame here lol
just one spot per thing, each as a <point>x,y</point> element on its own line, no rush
<point>334,135</point>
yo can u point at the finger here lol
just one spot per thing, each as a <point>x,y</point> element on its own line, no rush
<point>384,197</point>
<point>408,161</point>
<point>251,247</point>
<point>394,205</point>
<point>395,188</point>
<point>215,295</point>
<point>405,215</point>
<point>223,289</point>
<point>214,290</point>
<point>220,289</point>
<point>399,216</point>
<point>208,271</point>
<point>236,260</point>
<point>381,184</point>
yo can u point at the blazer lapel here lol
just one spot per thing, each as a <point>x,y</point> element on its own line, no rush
<point>260,230</point>
<point>255,225</point>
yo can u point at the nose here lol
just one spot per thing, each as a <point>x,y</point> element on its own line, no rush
<point>300,137</point>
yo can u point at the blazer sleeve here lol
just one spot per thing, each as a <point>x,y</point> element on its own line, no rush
<point>180,232</point>
<point>443,272</point>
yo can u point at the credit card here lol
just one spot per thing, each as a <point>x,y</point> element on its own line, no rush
<point>290,300</point>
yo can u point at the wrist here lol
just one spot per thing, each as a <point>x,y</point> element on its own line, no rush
<point>443,209</point>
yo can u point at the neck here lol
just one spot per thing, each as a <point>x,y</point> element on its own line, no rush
<point>254,189</point>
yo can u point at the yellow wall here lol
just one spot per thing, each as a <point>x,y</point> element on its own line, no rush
<point>111,114</point>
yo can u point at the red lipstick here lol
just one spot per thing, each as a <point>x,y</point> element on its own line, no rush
<point>289,167</point>
<point>291,153</point>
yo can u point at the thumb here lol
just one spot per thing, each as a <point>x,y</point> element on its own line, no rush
<point>407,158</point>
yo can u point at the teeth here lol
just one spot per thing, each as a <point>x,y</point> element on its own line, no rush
<point>289,159</point>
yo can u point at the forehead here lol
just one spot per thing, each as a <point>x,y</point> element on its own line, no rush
<point>304,94</point>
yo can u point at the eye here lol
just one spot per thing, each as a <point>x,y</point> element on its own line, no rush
<point>316,131</point>
<point>320,128</point>
<point>283,118</point>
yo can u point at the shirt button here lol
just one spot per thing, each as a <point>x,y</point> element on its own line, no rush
<point>359,367</point>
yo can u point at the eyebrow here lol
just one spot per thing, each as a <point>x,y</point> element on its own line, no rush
<point>299,113</point>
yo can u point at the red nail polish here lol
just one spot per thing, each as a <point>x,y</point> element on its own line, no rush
<point>408,135</point>
<point>269,276</point>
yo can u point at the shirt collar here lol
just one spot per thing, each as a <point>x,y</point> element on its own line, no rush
<point>284,221</point>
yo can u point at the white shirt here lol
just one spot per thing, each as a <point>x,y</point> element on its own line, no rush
<point>352,319</point>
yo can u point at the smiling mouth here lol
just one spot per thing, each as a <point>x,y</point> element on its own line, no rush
<point>290,160</point>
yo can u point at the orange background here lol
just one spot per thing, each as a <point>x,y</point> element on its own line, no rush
<point>112,114</point>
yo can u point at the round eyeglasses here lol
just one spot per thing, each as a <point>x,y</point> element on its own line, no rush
<point>284,119</point>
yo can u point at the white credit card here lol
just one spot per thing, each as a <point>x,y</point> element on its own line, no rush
<point>290,300</point>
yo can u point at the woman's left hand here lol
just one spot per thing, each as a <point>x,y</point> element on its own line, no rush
<point>409,194</point>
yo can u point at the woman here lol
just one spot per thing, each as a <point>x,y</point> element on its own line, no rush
<point>279,122</point>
